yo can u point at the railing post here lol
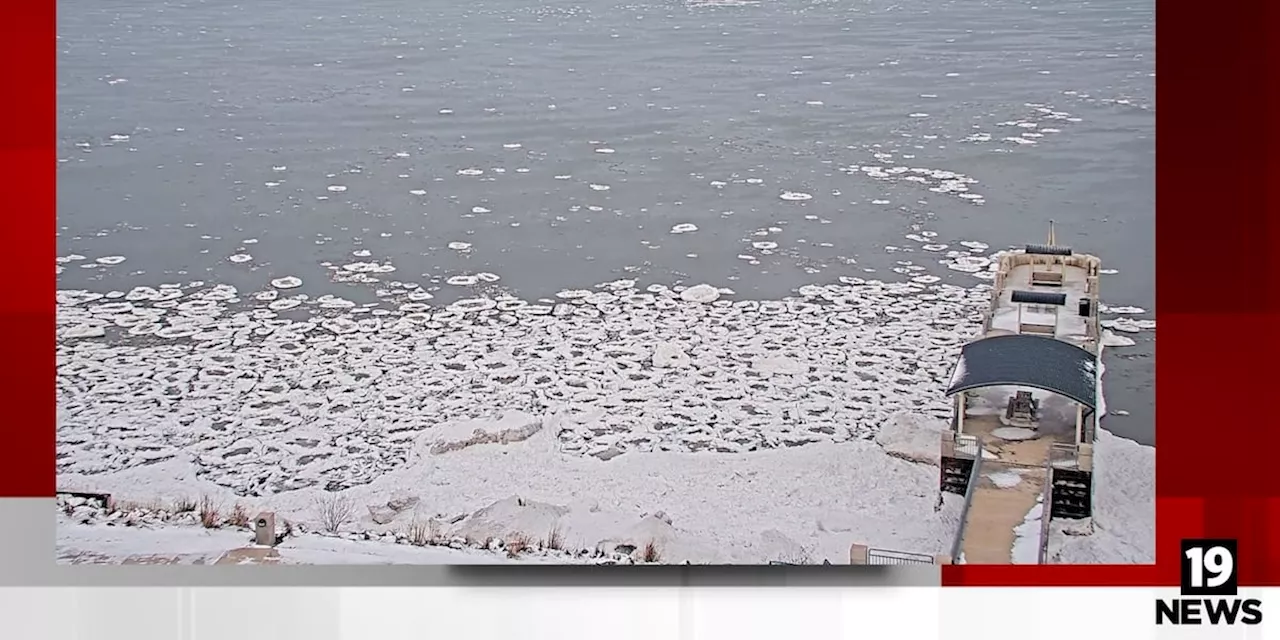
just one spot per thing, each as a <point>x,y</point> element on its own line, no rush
<point>1046,510</point>
<point>1084,458</point>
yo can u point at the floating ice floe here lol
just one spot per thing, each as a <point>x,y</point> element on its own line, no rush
<point>1121,310</point>
<point>368,267</point>
<point>335,394</point>
<point>684,228</point>
<point>462,280</point>
<point>287,282</point>
<point>795,196</point>
<point>702,293</point>
<point>1128,325</point>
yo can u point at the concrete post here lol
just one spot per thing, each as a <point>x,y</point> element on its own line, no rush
<point>858,553</point>
<point>264,529</point>
<point>1084,458</point>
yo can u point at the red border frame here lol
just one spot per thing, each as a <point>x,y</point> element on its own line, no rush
<point>28,158</point>
<point>1214,475</point>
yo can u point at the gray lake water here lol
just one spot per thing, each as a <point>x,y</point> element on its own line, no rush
<point>302,134</point>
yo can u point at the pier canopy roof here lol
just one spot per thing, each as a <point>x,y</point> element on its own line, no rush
<point>1021,360</point>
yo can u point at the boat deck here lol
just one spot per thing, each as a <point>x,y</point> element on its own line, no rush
<point>1062,322</point>
<point>1030,452</point>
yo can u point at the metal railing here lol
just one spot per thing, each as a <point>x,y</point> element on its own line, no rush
<point>968,446</point>
<point>958,542</point>
<point>888,556</point>
<point>1046,511</point>
<point>1063,454</point>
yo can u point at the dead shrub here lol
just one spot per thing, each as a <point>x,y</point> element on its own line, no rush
<point>555,538</point>
<point>335,511</point>
<point>239,517</point>
<point>797,557</point>
<point>208,513</point>
<point>185,505</point>
<point>420,534</point>
<point>650,553</point>
<point>517,544</point>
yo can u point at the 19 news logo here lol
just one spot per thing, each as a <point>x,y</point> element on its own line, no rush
<point>1209,586</point>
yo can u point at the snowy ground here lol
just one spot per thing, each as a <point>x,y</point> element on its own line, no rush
<point>802,504</point>
<point>1123,527</point>
<point>719,430</point>
<point>190,544</point>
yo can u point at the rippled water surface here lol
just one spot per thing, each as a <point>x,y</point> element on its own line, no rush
<point>754,146</point>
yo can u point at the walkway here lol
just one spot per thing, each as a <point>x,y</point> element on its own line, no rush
<point>1001,501</point>
<point>247,555</point>
<point>1012,481</point>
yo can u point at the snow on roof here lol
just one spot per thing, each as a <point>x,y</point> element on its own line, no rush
<point>1031,361</point>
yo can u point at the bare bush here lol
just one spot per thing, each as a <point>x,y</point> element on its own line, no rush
<point>208,513</point>
<point>185,505</point>
<point>651,553</point>
<point>239,517</point>
<point>421,533</point>
<point>517,544</point>
<point>555,538</point>
<point>799,556</point>
<point>335,511</point>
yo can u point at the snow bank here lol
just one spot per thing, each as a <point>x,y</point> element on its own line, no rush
<point>912,436</point>
<point>694,507</point>
<point>1124,517</point>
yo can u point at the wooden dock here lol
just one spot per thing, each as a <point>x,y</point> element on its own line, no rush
<point>1003,496</point>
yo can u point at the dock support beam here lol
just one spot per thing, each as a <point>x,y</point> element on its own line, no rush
<point>1079,424</point>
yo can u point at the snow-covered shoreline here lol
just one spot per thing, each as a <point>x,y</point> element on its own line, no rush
<point>804,503</point>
